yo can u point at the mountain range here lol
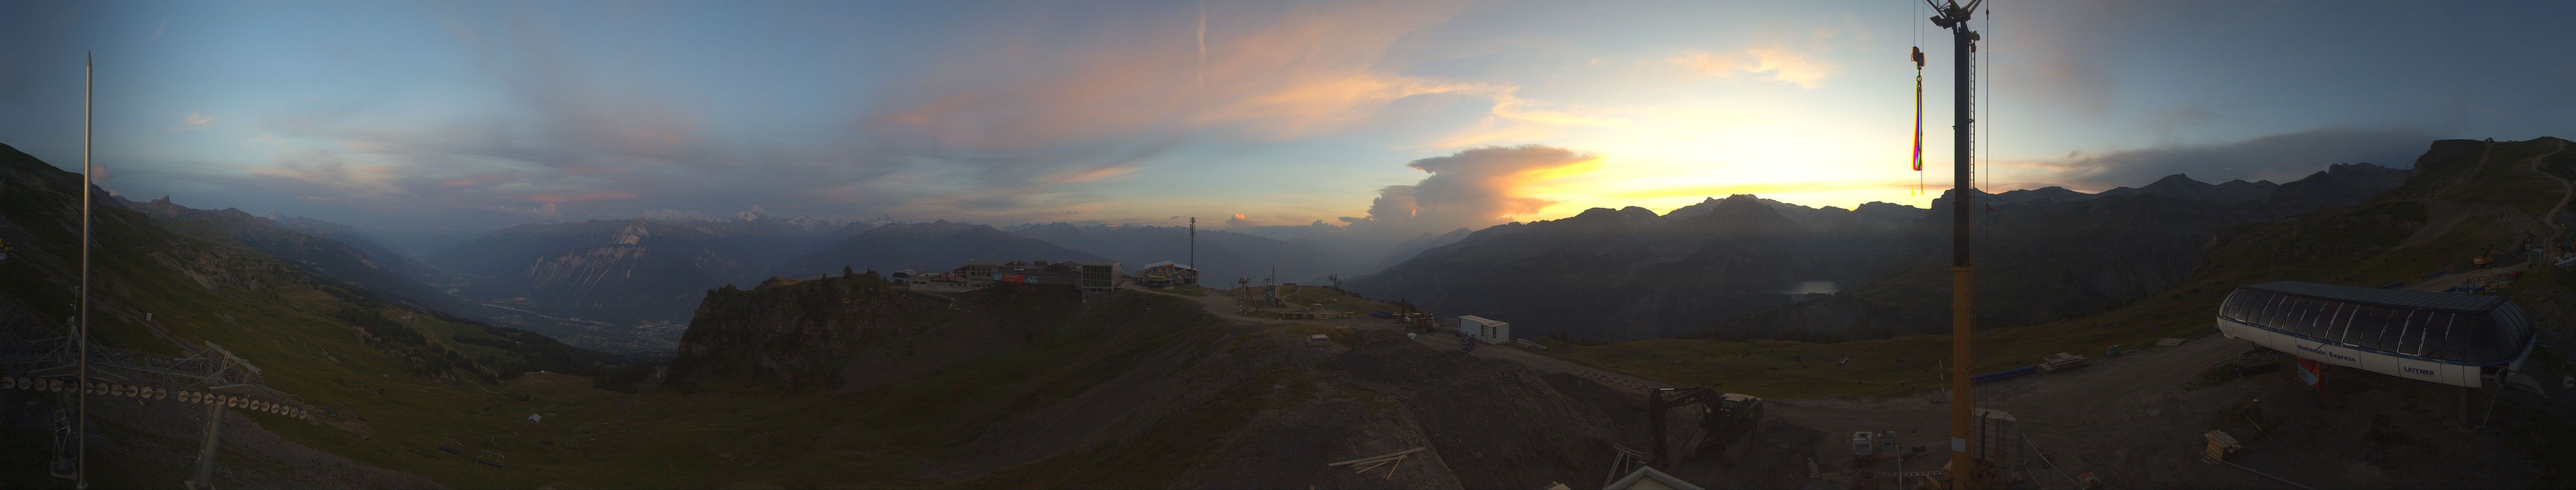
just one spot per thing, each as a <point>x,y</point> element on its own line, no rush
<point>2049,255</point>
<point>937,246</point>
<point>1633,273</point>
<point>1744,267</point>
<point>1738,267</point>
<point>350,259</point>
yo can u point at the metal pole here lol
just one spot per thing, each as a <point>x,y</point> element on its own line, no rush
<point>1963,467</point>
<point>1194,246</point>
<point>206,450</point>
<point>80,459</point>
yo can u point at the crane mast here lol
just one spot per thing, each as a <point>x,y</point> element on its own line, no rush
<point>1964,468</point>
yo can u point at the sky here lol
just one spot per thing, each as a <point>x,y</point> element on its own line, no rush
<point>1392,118</point>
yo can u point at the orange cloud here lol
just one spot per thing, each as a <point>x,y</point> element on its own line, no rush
<point>1788,66</point>
<point>1094,174</point>
<point>1287,71</point>
<point>1472,189</point>
<point>1757,188</point>
<point>1781,63</point>
<point>1707,63</point>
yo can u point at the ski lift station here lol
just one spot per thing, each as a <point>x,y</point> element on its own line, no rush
<point>1488,331</point>
<point>2450,338</point>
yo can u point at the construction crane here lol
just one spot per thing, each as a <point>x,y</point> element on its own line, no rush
<point>1963,468</point>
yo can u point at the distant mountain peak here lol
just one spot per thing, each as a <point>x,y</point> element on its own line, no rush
<point>633,234</point>
<point>1882,207</point>
<point>2049,194</point>
<point>1597,213</point>
<point>2358,168</point>
<point>2177,179</point>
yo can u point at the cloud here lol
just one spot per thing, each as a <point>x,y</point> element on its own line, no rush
<point>2061,64</point>
<point>1240,221</point>
<point>1791,67</point>
<point>671,215</point>
<point>2277,157</point>
<point>1095,174</point>
<point>1244,72</point>
<point>2456,102</point>
<point>567,133</point>
<point>1778,63</point>
<point>1012,119</point>
<point>1471,189</point>
<point>195,121</point>
<point>2168,122</point>
<point>580,197</point>
<point>1008,116</point>
<point>755,212</point>
<point>1269,71</point>
<point>541,212</point>
<point>1709,64</point>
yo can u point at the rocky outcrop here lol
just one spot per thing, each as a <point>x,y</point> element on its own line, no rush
<point>851,333</point>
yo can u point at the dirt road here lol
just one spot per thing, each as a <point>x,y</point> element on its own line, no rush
<point>2098,413</point>
<point>2551,218</point>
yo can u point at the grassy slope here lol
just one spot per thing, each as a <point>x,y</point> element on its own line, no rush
<point>396,418</point>
<point>709,439</point>
<point>2346,246</point>
<point>1303,296</point>
<point>279,318</point>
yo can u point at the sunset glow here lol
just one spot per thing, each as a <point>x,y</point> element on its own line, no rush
<point>1270,113</point>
